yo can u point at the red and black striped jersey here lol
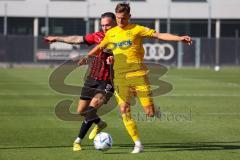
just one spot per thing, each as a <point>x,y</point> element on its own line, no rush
<point>99,69</point>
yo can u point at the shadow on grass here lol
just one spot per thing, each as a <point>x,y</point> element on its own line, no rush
<point>192,146</point>
<point>152,147</point>
<point>43,147</point>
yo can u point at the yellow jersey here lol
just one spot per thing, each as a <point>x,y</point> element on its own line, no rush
<point>126,45</point>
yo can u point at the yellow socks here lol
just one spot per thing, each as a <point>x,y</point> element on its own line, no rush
<point>130,126</point>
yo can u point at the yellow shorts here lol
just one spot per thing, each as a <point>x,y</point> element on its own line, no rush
<point>135,86</point>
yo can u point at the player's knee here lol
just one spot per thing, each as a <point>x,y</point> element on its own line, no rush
<point>124,108</point>
<point>82,106</point>
<point>80,110</point>
<point>95,103</point>
<point>98,100</point>
<point>150,113</point>
<point>149,110</point>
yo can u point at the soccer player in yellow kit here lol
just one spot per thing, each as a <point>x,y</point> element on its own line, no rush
<point>130,74</point>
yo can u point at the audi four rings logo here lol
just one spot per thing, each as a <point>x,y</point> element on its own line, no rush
<point>156,51</point>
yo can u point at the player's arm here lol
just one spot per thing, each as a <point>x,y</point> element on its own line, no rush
<point>65,39</point>
<point>95,51</point>
<point>171,37</point>
<point>99,48</point>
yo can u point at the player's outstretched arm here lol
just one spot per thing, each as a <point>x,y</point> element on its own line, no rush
<point>64,39</point>
<point>171,37</point>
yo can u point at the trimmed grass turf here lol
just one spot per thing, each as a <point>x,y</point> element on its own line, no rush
<point>200,121</point>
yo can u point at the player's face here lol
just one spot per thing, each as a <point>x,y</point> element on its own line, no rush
<point>122,19</point>
<point>106,24</point>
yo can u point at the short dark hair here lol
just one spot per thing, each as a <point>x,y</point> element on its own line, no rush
<point>122,7</point>
<point>109,15</point>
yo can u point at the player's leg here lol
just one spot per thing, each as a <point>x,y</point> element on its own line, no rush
<point>82,107</point>
<point>123,96</point>
<point>131,127</point>
<point>88,109</point>
<point>102,95</point>
<point>95,103</point>
<point>82,104</point>
<point>143,91</point>
<point>147,104</point>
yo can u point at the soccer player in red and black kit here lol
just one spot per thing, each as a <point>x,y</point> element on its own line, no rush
<point>98,87</point>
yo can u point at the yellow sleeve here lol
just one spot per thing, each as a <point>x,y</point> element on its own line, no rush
<point>104,42</point>
<point>145,31</point>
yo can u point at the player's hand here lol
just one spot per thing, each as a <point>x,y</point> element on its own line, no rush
<point>83,61</point>
<point>50,39</point>
<point>110,60</point>
<point>186,39</point>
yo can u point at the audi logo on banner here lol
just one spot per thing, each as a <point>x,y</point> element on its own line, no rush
<point>156,51</point>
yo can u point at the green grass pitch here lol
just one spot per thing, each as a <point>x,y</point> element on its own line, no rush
<point>201,119</point>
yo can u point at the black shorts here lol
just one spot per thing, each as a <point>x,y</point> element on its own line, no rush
<point>92,87</point>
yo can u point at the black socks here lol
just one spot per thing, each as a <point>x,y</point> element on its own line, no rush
<point>90,117</point>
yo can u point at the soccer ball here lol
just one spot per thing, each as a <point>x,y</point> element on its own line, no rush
<point>103,141</point>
